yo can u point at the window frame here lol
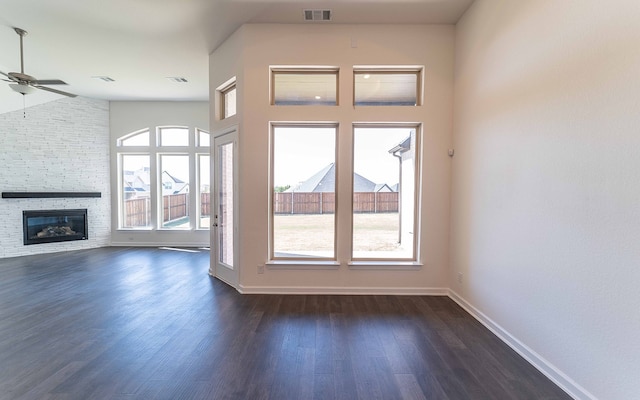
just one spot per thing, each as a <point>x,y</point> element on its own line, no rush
<point>417,190</point>
<point>122,195</point>
<point>120,141</point>
<point>391,70</point>
<point>283,261</point>
<point>154,151</point>
<point>224,101</point>
<point>301,70</point>
<point>221,99</point>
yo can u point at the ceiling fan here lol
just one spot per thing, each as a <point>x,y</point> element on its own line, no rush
<point>25,84</point>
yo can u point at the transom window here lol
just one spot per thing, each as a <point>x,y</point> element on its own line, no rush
<point>226,102</point>
<point>304,86</point>
<point>386,87</point>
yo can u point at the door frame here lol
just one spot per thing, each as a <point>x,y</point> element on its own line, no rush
<point>218,270</point>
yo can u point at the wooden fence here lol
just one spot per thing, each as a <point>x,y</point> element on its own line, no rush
<point>138,210</point>
<point>175,206</point>
<point>324,203</point>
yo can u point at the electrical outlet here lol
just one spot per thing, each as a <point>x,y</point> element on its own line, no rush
<point>459,276</point>
<point>261,269</point>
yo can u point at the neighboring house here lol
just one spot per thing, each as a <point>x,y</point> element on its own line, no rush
<point>173,185</point>
<point>324,181</point>
<point>138,183</point>
<point>405,153</point>
<point>383,187</point>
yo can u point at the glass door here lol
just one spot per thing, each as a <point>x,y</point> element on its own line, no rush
<point>224,227</point>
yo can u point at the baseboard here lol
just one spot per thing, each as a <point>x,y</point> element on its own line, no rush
<point>541,364</point>
<point>400,291</point>
<point>155,244</point>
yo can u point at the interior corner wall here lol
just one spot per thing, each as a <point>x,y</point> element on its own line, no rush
<point>259,46</point>
<point>546,184</point>
<point>130,116</point>
<point>59,146</point>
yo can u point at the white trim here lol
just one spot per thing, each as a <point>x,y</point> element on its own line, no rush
<point>385,265</point>
<point>567,384</point>
<point>336,290</point>
<point>303,264</point>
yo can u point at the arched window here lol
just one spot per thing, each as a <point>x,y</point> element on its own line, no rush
<point>164,179</point>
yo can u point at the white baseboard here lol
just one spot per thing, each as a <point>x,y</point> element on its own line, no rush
<point>400,291</point>
<point>541,364</point>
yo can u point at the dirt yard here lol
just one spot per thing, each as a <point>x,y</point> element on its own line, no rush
<point>371,232</point>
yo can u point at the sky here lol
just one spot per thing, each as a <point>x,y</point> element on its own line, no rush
<point>301,152</point>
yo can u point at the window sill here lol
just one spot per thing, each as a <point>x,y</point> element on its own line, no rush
<point>302,264</point>
<point>385,265</point>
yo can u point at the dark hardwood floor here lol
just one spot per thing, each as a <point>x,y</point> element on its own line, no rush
<point>127,323</point>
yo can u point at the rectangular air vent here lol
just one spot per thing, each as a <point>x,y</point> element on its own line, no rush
<point>317,15</point>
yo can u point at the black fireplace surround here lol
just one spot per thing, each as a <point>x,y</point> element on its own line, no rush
<point>46,226</point>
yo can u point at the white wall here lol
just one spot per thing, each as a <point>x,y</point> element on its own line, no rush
<point>131,116</point>
<point>62,145</point>
<point>546,184</point>
<point>248,56</point>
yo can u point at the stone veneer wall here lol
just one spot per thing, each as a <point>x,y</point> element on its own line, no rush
<point>60,146</point>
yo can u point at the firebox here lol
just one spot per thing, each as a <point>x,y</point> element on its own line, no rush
<point>46,226</point>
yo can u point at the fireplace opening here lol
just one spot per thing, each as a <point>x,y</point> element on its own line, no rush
<point>47,226</point>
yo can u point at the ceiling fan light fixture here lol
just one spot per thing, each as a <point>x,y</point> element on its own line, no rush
<point>22,88</point>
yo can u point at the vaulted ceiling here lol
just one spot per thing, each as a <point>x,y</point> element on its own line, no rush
<point>141,43</point>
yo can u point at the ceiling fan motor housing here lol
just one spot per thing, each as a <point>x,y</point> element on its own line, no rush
<point>22,88</point>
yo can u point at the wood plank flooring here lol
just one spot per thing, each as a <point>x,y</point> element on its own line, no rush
<point>132,323</point>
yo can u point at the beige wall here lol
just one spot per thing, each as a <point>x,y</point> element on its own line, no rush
<point>546,184</point>
<point>248,55</point>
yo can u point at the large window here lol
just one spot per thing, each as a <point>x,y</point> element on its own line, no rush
<point>135,191</point>
<point>303,188</point>
<point>384,191</point>
<point>374,174</point>
<point>175,190</point>
<point>156,176</point>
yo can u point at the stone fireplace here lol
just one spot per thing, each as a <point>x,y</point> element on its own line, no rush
<point>47,226</point>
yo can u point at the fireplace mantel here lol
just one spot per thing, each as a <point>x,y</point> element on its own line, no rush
<point>48,195</point>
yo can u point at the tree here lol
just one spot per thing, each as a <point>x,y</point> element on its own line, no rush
<point>280,189</point>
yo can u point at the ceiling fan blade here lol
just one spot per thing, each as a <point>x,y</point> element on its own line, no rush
<point>55,91</point>
<point>49,82</point>
<point>9,76</point>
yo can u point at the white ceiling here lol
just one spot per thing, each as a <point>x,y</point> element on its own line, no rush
<point>139,43</point>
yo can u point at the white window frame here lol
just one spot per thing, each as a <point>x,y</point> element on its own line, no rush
<point>221,99</point>
<point>308,70</point>
<point>382,261</point>
<point>390,70</point>
<point>284,261</point>
<point>154,151</point>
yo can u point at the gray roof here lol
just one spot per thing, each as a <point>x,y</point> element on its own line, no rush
<point>325,181</point>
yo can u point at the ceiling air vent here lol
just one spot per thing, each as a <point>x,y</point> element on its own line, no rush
<point>177,79</point>
<point>317,15</point>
